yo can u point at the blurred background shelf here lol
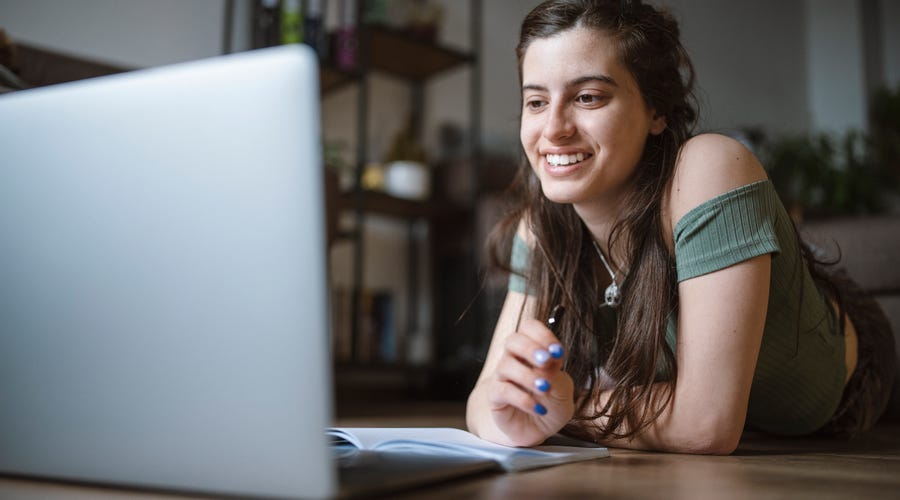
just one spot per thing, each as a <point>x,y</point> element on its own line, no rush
<point>377,202</point>
<point>396,337</point>
<point>405,56</point>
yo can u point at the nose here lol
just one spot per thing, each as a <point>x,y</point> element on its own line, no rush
<point>559,123</point>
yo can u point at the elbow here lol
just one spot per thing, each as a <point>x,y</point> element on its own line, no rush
<point>710,436</point>
<point>718,445</point>
<point>711,440</point>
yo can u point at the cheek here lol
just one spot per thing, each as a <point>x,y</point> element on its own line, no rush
<point>529,139</point>
<point>627,134</point>
<point>529,133</point>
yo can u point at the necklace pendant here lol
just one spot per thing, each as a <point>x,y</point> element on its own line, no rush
<point>613,296</point>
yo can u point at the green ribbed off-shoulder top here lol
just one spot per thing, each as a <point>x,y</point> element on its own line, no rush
<point>800,371</point>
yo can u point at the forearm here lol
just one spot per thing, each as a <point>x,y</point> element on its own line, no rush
<point>683,426</point>
<point>518,402</point>
<point>721,317</point>
<point>501,406</point>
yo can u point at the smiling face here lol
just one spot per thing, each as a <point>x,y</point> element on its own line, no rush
<point>584,121</point>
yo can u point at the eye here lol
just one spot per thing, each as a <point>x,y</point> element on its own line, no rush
<point>535,104</point>
<point>590,99</point>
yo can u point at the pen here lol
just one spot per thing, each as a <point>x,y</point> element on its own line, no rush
<point>555,315</point>
<point>555,350</point>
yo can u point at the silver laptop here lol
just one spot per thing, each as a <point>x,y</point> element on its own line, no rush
<point>163,299</point>
<point>163,315</point>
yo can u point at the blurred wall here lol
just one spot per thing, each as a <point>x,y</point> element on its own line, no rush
<point>836,76</point>
<point>889,16</point>
<point>749,58</point>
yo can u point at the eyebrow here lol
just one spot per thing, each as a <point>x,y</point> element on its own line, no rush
<point>578,81</point>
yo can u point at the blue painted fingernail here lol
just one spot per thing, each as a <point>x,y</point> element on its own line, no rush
<point>541,356</point>
<point>556,351</point>
<point>539,409</point>
<point>541,384</point>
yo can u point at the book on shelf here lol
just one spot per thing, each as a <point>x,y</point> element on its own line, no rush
<point>342,324</point>
<point>376,340</point>
<point>442,441</point>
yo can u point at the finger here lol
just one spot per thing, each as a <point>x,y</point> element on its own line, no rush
<point>504,394</point>
<point>538,331</point>
<point>556,349</point>
<point>539,355</point>
<point>528,351</point>
<point>543,335</point>
<point>515,371</point>
<point>562,388</point>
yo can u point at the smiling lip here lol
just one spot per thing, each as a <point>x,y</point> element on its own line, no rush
<point>560,170</point>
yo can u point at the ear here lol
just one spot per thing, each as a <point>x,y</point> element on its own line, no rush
<point>658,124</point>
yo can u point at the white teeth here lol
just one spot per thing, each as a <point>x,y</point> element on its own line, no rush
<point>565,159</point>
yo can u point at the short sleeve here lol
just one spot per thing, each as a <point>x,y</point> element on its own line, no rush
<point>728,229</point>
<point>518,262</point>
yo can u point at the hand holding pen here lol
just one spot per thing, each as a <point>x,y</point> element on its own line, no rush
<point>532,397</point>
<point>542,357</point>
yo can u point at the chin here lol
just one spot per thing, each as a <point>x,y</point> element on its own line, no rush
<point>557,194</point>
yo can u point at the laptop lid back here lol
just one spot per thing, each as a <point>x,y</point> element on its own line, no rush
<point>163,303</point>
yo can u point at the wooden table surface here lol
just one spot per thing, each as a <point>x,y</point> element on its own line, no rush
<point>762,467</point>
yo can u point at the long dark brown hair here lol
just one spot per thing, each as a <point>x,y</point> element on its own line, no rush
<point>564,266</point>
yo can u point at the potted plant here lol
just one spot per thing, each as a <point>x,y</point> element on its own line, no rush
<point>827,175</point>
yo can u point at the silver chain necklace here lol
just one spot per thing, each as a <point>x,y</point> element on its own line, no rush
<point>612,296</point>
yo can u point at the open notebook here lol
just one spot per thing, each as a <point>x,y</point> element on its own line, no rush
<point>456,442</point>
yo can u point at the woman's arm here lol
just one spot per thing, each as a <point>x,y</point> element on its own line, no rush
<point>720,325</point>
<point>502,406</point>
<point>721,317</point>
<point>520,399</point>
<point>478,413</point>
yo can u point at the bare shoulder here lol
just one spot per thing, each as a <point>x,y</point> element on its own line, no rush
<point>709,165</point>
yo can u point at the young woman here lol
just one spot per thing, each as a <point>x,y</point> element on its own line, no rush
<point>691,307</point>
